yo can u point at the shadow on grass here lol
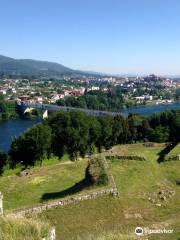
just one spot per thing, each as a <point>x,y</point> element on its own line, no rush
<point>69,191</point>
<point>165,151</point>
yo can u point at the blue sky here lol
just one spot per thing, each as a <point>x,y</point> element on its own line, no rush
<point>113,36</point>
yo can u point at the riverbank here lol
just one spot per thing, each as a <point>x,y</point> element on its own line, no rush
<point>14,127</point>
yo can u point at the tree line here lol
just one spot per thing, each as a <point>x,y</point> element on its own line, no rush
<point>78,134</point>
<point>7,109</point>
<point>112,100</point>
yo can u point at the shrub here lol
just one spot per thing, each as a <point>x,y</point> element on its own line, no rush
<point>96,172</point>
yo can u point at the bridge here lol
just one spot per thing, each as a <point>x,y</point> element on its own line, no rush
<point>54,108</point>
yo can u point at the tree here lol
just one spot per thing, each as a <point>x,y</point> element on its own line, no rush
<point>59,123</point>
<point>175,127</point>
<point>144,129</point>
<point>105,138</point>
<point>71,133</point>
<point>94,133</point>
<point>120,130</point>
<point>32,146</point>
<point>3,108</point>
<point>3,161</point>
<point>159,134</point>
<point>134,123</point>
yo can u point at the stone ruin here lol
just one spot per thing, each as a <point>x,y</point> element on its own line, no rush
<point>149,144</point>
<point>177,158</point>
<point>162,196</point>
<point>174,158</point>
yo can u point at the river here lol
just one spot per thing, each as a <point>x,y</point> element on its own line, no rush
<point>11,128</point>
<point>15,127</point>
<point>149,110</point>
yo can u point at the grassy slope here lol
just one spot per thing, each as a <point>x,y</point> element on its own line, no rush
<point>174,152</point>
<point>27,190</point>
<point>22,229</point>
<point>103,218</point>
<point>136,181</point>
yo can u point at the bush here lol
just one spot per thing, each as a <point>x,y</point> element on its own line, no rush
<point>3,161</point>
<point>96,172</point>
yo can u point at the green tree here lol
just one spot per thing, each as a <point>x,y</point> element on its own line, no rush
<point>120,130</point>
<point>134,123</point>
<point>3,161</point>
<point>71,133</point>
<point>32,146</point>
<point>159,134</point>
<point>106,136</point>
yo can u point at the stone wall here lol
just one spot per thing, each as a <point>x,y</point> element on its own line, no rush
<point>126,157</point>
<point>110,189</point>
<point>173,158</point>
<point>74,199</point>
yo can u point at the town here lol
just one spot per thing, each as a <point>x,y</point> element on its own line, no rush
<point>133,90</point>
<point>90,120</point>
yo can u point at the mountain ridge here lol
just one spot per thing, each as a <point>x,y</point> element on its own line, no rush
<point>32,67</point>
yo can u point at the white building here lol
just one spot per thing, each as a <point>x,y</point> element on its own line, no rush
<point>38,99</point>
<point>3,91</point>
<point>93,88</point>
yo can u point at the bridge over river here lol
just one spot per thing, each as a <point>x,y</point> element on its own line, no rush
<point>142,110</point>
<point>53,108</point>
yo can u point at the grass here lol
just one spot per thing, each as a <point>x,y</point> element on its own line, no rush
<point>175,151</point>
<point>8,171</point>
<point>28,190</point>
<point>116,218</point>
<point>22,229</point>
<point>52,160</point>
<point>106,218</point>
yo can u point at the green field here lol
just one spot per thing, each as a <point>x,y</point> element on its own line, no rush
<point>26,191</point>
<point>141,185</point>
<point>116,218</point>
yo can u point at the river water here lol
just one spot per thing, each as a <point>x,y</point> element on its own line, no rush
<point>149,110</point>
<point>12,128</point>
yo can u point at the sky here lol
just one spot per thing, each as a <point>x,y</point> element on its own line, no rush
<point>111,36</point>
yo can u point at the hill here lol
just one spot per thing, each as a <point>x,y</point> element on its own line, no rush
<point>148,195</point>
<point>31,67</point>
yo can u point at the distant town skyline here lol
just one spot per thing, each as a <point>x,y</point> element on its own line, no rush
<point>108,36</point>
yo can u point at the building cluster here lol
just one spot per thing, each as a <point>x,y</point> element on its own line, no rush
<point>51,90</point>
